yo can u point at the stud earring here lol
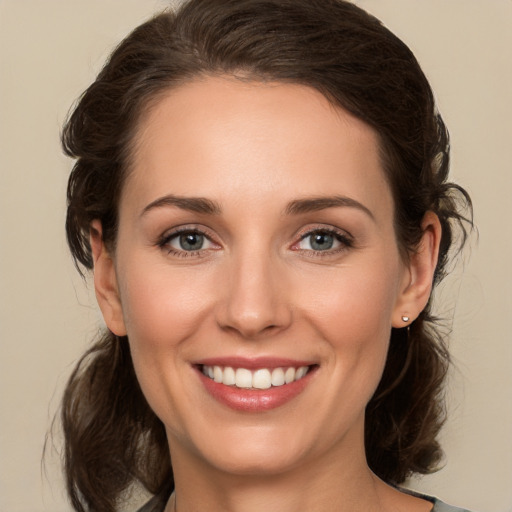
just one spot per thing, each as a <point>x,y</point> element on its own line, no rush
<point>405,319</point>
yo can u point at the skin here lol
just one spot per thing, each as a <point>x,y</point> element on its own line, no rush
<point>257,289</point>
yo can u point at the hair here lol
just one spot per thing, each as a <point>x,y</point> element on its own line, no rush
<point>112,437</point>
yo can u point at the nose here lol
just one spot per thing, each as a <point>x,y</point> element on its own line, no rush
<point>254,302</point>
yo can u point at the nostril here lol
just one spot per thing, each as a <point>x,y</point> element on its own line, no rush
<point>253,331</point>
<point>252,307</point>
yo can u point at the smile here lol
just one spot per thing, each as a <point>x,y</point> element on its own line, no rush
<point>261,378</point>
<point>255,385</point>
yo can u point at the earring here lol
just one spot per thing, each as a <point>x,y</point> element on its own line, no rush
<point>405,319</point>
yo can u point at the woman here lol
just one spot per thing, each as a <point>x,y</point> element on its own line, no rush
<point>261,190</point>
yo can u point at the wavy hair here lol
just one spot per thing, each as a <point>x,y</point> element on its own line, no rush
<point>112,438</point>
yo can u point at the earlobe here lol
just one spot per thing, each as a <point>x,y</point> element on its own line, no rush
<point>422,264</point>
<point>105,282</point>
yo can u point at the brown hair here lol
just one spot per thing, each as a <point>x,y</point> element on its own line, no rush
<point>112,438</point>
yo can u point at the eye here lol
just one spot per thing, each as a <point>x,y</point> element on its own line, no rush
<point>186,242</point>
<point>319,241</point>
<point>323,240</point>
<point>191,241</point>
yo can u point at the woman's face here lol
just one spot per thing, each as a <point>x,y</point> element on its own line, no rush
<point>256,235</point>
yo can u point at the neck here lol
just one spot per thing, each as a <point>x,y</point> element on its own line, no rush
<point>322,486</point>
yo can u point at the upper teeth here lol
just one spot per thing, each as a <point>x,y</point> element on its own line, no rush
<point>262,378</point>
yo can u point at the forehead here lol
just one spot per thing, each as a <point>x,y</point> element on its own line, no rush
<point>204,135</point>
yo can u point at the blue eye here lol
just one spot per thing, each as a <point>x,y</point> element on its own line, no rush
<point>189,241</point>
<point>186,241</point>
<point>322,240</point>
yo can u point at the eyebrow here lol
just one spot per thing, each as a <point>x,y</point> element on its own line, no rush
<point>192,204</point>
<point>296,207</point>
<point>314,204</point>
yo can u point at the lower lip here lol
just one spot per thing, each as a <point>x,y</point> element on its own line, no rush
<point>255,400</point>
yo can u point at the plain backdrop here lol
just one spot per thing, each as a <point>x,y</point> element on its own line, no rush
<point>50,50</point>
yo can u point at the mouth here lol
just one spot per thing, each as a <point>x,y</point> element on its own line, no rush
<point>260,378</point>
<point>255,385</point>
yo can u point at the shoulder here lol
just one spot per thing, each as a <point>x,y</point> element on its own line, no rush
<point>155,504</point>
<point>159,501</point>
<point>439,506</point>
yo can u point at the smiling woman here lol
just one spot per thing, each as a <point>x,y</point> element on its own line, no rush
<point>261,190</point>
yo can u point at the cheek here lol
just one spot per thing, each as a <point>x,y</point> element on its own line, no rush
<point>351,304</point>
<point>352,312</point>
<point>163,308</point>
<point>163,305</point>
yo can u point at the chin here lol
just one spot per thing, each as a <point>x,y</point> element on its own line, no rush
<point>256,450</point>
<point>255,460</point>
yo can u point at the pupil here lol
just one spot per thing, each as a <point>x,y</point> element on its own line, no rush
<point>322,241</point>
<point>191,241</point>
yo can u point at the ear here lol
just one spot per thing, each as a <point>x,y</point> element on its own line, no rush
<point>417,283</point>
<point>105,282</point>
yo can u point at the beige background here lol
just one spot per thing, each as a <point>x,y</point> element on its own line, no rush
<point>50,51</point>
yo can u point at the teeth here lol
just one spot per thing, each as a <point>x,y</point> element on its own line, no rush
<point>277,377</point>
<point>289,375</point>
<point>263,378</point>
<point>301,372</point>
<point>243,378</point>
<point>229,377</point>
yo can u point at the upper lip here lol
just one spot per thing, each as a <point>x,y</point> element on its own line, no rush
<point>254,363</point>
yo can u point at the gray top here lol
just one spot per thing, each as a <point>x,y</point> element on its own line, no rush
<point>439,506</point>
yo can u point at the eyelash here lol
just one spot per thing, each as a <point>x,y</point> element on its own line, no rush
<point>346,242</point>
<point>165,240</point>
